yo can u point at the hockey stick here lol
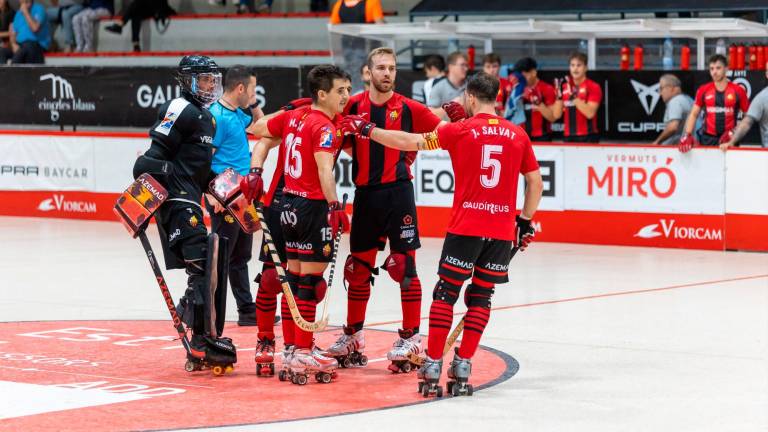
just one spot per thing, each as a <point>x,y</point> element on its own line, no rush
<point>418,360</point>
<point>166,292</point>
<point>336,242</point>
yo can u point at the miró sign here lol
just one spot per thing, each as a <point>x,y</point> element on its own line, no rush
<point>632,181</point>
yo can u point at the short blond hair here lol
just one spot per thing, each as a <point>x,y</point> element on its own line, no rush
<point>380,51</point>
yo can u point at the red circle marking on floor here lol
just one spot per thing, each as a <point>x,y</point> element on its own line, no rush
<point>129,375</point>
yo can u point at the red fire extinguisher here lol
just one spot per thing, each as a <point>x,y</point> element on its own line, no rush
<point>732,56</point>
<point>471,57</point>
<point>753,57</point>
<point>685,57</point>
<point>639,57</point>
<point>741,57</point>
<point>624,57</point>
<point>760,57</point>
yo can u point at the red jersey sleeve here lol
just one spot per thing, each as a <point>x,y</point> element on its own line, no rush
<point>325,139</point>
<point>529,162</point>
<point>743,99</point>
<point>447,135</point>
<point>548,94</point>
<point>276,124</point>
<point>595,93</point>
<point>424,120</point>
<point>699,99</point>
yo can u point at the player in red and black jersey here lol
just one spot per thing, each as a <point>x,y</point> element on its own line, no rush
<point>310,211</point>
<point>384,209</point>
<point>488,154</point>
<point>579,98</point>
<point>492,66</point>
<point>722,101</point>
<point>539,100</point>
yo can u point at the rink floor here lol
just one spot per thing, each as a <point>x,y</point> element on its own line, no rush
<point>607,338</point>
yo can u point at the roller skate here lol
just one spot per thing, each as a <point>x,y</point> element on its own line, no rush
<point>458,375</point>
<point>217,354</point>
<point>265,357</point>
<point>284,374</point>
<point>348,349</point>
<point>429,377</point>
<point>403,351</point>
<point>306,362</point>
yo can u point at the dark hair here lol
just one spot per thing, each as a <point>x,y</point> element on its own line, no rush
<point>484,87</point>
<point>718,58</point>
<point>434,61</point>
<point>526,64</point>
<point>580,56</point>
<point>452,57</point>
<point>321,78</point>
<point>236,75</point>
<point>492,58</point>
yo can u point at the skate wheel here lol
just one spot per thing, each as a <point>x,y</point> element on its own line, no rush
<point>189,366</point>
<point>449,386</point>
<point>363,360</point>
<point>282,376</point>
<point>272,369</point>
<point>217,370</point>
<point>424,390</point>
<point>439,391</point>
<point>454,389</point>
<point>394,368</point>
<point>421,386</point>
<point>301,379</point>
<point>293,379</point>
<point>347,363</point>
<point>406,367</point>
<point>470,389</point>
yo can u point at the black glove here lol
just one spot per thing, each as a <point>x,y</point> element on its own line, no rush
<point>525,232</point>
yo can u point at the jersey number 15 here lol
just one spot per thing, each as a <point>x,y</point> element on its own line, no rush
<point>292,156</point>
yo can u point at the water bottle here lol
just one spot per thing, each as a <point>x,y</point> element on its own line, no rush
<point>583,46</point>
<point>720,47</point>
<point>667,62</point>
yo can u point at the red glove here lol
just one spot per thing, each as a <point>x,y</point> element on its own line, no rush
<point>726,137</point>
<point>410,157</point>
<point>296,103</point>
<point>572,87</point>
<point>525,232</point>
<point>686,143</point>
<point>455,111</point>
<point>356,125</point>
<point>252,185</point>
<point>532,94</point>
<point>337,218</point>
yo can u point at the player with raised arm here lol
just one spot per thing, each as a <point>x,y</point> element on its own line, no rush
<point>488,154</point>
<point>310,212</point>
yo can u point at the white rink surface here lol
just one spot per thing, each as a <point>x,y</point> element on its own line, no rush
<point>690,358</point>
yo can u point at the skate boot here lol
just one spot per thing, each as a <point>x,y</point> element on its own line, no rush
<point>305,362</point>
<point>206,352</point>
<point>348,349</point>
<point>429,377</point>
<point>404,350</point>
<point>265,357</point>
<point>458,375</point>
<point>288,351</point>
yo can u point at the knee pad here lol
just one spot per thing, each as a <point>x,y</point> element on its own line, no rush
<point>478,296</point>
<point>194,248</point>
<point>269,281</point>
<point>358,272</point>
<point>446,291</point>
<point>401,268</point>
<point>312,287</point>
<point>293,282</point>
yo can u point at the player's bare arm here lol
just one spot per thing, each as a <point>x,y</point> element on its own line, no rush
<point>325,163</point>
<point>259,127</point>
<point>589,109</point>
<point>690,122</point>
<point>534,186</point>
<point>547,111</point>
<point>741,130</point>
<point>261,150</point>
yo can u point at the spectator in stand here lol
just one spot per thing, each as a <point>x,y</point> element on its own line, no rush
<point>248,6</point>
<point>491,66</point>
<point>365,77</point>
<point>6,19</point>
<point>62,13</point>
<point>434,69</point>
<point>758,112</point>
<point>578,100</point>
<point>722,102</point>
<point>29,36</point>
<point>539,100</point>
<point>83,23</point>
<point>452,87</point>
<point>354,49</point>
<point>678,107</point>
<point>136,12</point>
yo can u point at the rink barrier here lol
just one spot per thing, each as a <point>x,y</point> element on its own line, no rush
<point>632,195</point>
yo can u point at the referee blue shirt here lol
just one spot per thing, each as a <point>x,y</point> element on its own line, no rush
<point>230,141</point>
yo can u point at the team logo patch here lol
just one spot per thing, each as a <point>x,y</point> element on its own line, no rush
<point>729,96</point>
<point>327,250</point>
<point>408,220</point>
<point>393,115</point>
<point>326,137</point>
<point>493,121</point>
<point>167,123</point>
<point>229,219</point>
<point>193,221</point>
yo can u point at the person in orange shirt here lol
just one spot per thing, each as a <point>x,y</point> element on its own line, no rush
<point>357,12</point>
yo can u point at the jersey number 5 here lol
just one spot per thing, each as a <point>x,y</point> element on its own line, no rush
<point>490,180</point>
<point>293,156</point>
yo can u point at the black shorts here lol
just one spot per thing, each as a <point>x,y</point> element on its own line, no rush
<point>591,138</point>
<point>488,259</point>
<point>706,139</point>
<point>308,237</point>
<point>272,218</point>
<point>385,212</point>
<point>176,222</point>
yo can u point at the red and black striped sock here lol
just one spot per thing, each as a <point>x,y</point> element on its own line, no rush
<point>266,306</point>
<point>410,301</point>
<point>359,293</point>
<point>307,309</point>
<point>475,321</point>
